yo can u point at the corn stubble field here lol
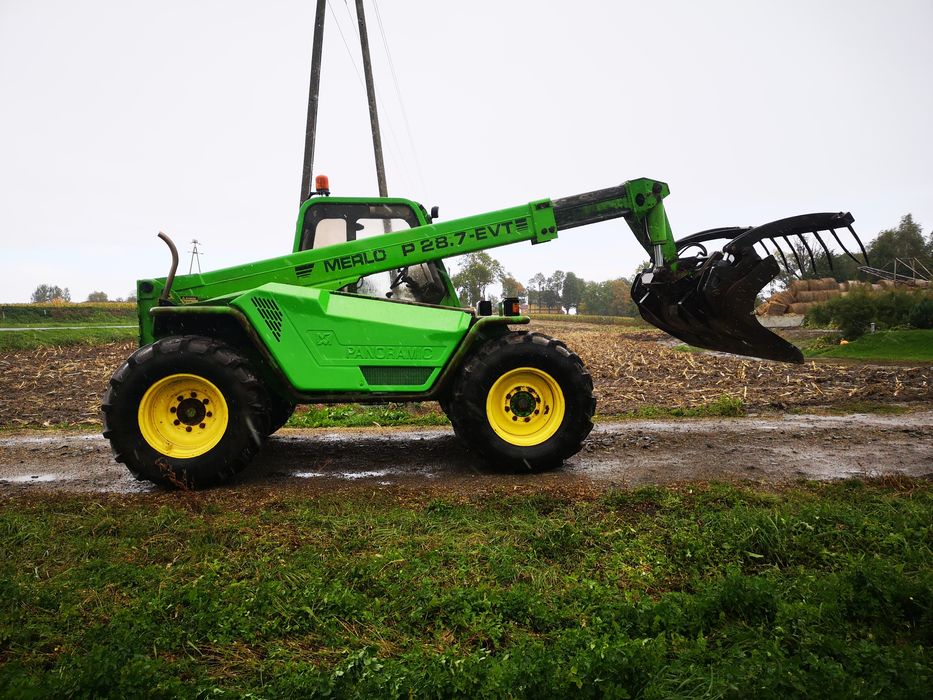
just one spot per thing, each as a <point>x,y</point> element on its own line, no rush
<point>691,590</point>
<point>631,368</point>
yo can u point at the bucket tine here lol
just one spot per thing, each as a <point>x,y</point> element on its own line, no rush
<point>809,252</point>
<point>859,241</point>
<point>829,258</point>
<point>796,257</point>
<point>787,266</point>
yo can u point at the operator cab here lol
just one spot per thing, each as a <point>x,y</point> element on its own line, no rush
<point>325,221</point>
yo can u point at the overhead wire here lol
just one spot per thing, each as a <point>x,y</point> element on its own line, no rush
<point>396,153</point>
<point>398,95</point>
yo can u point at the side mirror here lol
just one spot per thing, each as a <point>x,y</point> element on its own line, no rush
<point>434,212</point>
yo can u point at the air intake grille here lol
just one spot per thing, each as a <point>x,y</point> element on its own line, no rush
<point>271,314</point>
<point>400,376</point>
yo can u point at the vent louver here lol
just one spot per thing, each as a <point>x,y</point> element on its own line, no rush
<point>399,376</point>
<point>271,314</point>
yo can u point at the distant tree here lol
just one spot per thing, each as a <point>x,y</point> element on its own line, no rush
<point>551,296</point>
<point>609,298</point>
<point>535,289</point>
<point>97,296</point>
<point>48,292</point>
<point>905,241</point>
<point>511,287</point>
<point>477,272</point>
<point>572,292</point>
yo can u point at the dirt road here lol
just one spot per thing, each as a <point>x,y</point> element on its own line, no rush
<point>764,450</point>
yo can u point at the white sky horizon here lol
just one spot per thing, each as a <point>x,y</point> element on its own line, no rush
<point>118,119</point>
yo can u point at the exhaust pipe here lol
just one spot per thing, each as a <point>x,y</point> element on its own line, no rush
<point>167,290</point>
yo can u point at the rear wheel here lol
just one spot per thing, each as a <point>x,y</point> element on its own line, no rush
<point>185,412</point>
<point>523,401</point>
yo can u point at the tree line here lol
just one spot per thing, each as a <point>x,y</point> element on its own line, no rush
<point>52,293</point>
<point>558,292</point>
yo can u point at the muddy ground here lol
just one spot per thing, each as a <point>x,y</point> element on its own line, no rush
<point>761,450</point>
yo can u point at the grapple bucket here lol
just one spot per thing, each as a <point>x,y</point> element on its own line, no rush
<point>708,300</point>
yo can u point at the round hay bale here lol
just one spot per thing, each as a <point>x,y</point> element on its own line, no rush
<point>877,288</point>
<point>823,284</point>
<point>800,286</point>
<point>803,297</point>
<point>843,286</point>
<point>784,297</point>
<point>800,308</point>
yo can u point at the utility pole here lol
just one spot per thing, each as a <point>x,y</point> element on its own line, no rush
<point>371,95</point>
<point>195,256</point>
<point>311,127</point>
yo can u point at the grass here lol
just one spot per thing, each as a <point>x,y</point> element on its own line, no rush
<point>27,339</point>
<point>905,345</point>
<point>712,591</point>
<point>356,415</point>
<point>723,407</point>
<point>24,315</point>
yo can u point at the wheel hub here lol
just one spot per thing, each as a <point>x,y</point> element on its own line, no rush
<point>183,415</point>
<point>525,406</point>
<point>523,403</point>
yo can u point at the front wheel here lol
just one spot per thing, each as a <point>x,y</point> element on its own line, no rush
<point>524,401</point>
<point>185,412</point>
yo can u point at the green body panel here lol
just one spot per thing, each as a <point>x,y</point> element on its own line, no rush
<point>334,342</point>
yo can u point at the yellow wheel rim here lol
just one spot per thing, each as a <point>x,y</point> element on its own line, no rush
<point>525,406</point>
<point>183,416</point>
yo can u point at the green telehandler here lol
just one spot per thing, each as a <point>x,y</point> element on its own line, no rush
<point>358,314</point>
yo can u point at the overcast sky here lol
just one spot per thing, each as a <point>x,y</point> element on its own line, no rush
<point>118,119</point>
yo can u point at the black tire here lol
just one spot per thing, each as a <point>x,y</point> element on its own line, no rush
<point>509,356</point>
<point>279,410</point>
<point>239,426</point>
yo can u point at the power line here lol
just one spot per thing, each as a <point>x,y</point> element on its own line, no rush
<point>397,150</point>
<point>398,94</point>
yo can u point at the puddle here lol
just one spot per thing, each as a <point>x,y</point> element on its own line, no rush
<point>31,478</point>
<point>341,475</point>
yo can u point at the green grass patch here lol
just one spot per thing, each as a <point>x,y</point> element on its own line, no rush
<point>20,315</point>
<point>814,591</point>
<point>906,345</point>
<point>356,415</point>
<point>28,339</point>
<point>723,407</point>
<point>687,348</point>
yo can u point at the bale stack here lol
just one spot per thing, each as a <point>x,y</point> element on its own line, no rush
<point>801,295</point>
